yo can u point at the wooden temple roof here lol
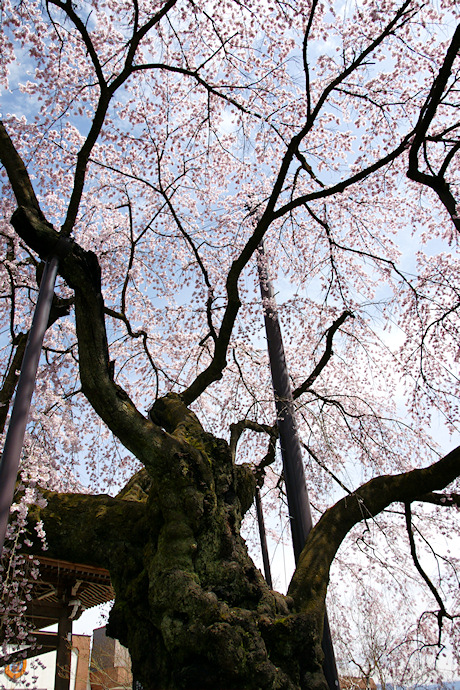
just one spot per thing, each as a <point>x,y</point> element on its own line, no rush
<point>60,594</point>
<point>74,586</point>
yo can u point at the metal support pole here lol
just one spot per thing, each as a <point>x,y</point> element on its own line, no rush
<point>263,540</point>
<point>296,488</point>
<point>9,464</point>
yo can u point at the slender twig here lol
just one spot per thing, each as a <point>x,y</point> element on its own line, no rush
<point>442,613</point>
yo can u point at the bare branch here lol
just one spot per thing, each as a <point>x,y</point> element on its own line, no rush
<point>427,114</point>
<point>442,500</point>
<point>442,613</point>
<point>237,429</point>
<point>327,354</point>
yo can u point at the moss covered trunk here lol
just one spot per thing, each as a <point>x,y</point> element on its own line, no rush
<point>190,605</point>
<point>194,611</point>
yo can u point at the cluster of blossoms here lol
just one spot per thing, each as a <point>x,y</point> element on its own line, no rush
<point>18,570</point>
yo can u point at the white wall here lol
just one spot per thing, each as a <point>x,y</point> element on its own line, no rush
<point>39,673</point>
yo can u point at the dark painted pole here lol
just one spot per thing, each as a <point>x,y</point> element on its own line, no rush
<point>63,654</point>
<point>9,463</point>
<point>64,643</point>
<point>263,539</point>
<point>294,476</point>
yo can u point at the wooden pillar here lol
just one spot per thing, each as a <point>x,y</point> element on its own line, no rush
<point>64,647</point>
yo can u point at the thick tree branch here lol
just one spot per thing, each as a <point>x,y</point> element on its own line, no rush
<point>309,583</point>
<point>82,162</point>
<point>17,173</point>
<point>427,114</point>
<point>81,270</point>
<point>95,530</point>
<point>11,378</point>
<point>446,500</point>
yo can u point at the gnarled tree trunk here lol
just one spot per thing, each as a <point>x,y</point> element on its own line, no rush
<point>190,605</point>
